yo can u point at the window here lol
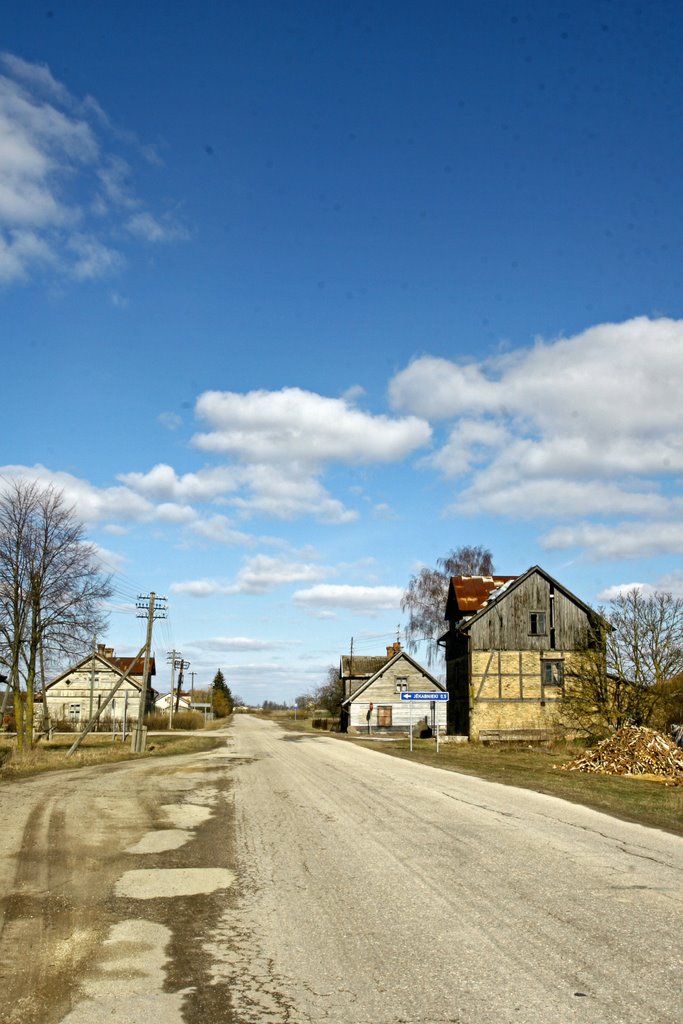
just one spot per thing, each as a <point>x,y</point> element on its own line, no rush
<point>74,712</point>
<point>384,717</point>
<point>401,685</point>
<point>552,673</point>
<point>537,623</point>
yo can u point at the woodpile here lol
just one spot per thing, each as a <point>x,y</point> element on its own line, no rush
<point>633,750</point>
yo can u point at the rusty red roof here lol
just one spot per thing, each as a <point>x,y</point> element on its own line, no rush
<point>472,592</point>
<point>123,664</point>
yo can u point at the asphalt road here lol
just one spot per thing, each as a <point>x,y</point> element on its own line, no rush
<point>295,878</point>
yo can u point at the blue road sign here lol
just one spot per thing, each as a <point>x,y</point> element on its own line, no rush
<point>425,695</point>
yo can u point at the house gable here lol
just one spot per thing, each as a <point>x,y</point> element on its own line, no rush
<point>530,612</point>
<point>378,704</point>
<point>382,686</point>
<point>81,688</point>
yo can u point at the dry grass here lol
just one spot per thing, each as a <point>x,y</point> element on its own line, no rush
<point>96,749</point>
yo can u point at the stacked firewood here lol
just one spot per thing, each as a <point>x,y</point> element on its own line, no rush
<point>633,750</point>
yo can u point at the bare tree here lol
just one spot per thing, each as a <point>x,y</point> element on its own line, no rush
<point>626,669</point>
<point>329,695</point>
<point>51,589</point>
<point>425,597</point>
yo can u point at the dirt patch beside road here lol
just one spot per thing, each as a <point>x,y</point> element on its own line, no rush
<point>105,903</point>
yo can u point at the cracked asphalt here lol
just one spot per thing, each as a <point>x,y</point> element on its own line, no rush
<point>294,878</point>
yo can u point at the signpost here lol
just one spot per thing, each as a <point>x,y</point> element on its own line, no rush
<point>432,696</point>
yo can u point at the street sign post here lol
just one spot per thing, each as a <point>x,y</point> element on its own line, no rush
<point>425,695</point>
<point>432,696</point>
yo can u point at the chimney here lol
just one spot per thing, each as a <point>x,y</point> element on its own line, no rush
<point>390,651</point>
<point>109,652</point>
<point>397,647</point>
<point>100,648</point>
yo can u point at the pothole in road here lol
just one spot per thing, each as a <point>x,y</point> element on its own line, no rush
<point>186,815</point>
<point>159,842</point>
<point>154,883</point>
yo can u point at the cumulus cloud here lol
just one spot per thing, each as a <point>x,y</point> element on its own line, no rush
<point>101,505</point>
<point>589,425</point>
<point>303,428</point>
<point>280,443</point>
<point>264,573</point>
<point>626,539</point>
<point>162,482</point>
<point>240,643</point>
<point>260,574</point>
<point>364,600</point>
<point>65,191</point>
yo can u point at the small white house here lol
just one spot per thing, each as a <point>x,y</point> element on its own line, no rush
<point>162,704</point>
<point>79,691</point>
<point>377,705</point>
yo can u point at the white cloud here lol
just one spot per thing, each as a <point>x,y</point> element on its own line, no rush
<point>219,530</point>
<point>65,194</point>
<point>239,643</point>
<point>590,426</point>
<point>280,442</point>
<point>671,583</point>
<point>364,600</point>
<point>162,482</point>
<point>303,428</point>
<point>264,573</point>
<point>155,230</point>
<point>93,259</point>
<point>200,588</point>
<point>259,575</point>
<point>101,505</point>
<point>170,420</point>
<point>637,539</point>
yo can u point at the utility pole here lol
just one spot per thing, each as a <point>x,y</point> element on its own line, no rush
<point>181,675</point>
<point>175,659</point>
<point>92,675</point>
<point>192,675</point>
<point>152,608</point>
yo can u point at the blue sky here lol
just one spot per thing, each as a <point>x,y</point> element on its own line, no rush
<point>297,297</point>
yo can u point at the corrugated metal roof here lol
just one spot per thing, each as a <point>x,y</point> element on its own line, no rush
<point>472,592</point>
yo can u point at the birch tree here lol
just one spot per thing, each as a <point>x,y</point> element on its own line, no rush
<point>425,596</point>
<point>52,589</point>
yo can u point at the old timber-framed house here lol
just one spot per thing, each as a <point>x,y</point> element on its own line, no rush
<point>511,645</point>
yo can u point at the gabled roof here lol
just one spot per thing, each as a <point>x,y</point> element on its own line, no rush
<point>358,666</point>
<point>387,664</point>
<point>118,665</point>
<point>511,583</point>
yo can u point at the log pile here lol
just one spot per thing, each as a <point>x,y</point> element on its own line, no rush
<point>633,750</point>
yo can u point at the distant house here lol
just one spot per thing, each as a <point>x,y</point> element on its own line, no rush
<point>375,702</point>
<point>355,669</point>
<point>511,644</point>
<point>86,685</point>
<point>163,702</point>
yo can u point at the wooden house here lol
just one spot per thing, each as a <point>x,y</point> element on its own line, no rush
<point>83,687</point>
<point>376,705</point>
<point>511,646</point>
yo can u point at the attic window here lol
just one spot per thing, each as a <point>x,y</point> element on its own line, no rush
<point>537,623</point>
<point>401,685</point>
